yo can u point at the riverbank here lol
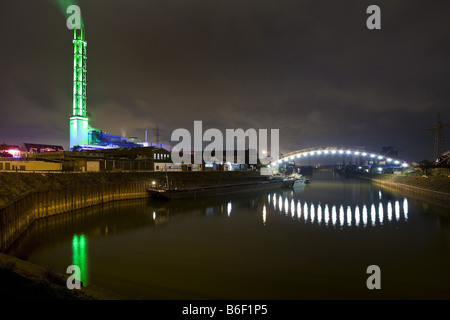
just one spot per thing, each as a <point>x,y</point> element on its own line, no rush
<point>15,186</point>
<point>22,280</point>
<point>26,197</point>
<point>433,186</point>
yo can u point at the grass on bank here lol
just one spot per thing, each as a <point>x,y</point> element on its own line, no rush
<point>435,182</point>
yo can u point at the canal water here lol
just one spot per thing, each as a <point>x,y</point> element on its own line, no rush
<point>313,242</point>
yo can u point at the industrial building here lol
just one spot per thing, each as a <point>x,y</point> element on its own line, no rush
<point>91,149</point>
<point>82,135</point>
<point>121,159</point>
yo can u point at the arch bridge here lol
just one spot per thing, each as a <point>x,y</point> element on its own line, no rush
<point>360,152</point>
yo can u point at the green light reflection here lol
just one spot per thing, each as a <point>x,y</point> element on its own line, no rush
<point>80,257</point>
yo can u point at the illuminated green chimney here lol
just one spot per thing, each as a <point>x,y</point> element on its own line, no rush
<point>79,122</point>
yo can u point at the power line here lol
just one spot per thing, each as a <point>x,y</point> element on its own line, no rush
<point>439,146</point>
<point>157,134</point>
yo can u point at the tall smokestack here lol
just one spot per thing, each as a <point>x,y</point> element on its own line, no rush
<point>79,122</point>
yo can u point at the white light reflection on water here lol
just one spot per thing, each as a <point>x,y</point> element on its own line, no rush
<point>292,208</point>
<point>373,214</point>
<point>327,214</point>
<point>397,210</point>
<point>229,208</point>
<point>349,216</point>
<point>319,214</point>
<point>389,211</point>
<point>380,213</point>
<point>405,208</point>
<point>264,216</point>
<point>339,214</point>
<point>364,215</point>
<point>357,217</point>
<point>286,206</point>
<point>333,215</point>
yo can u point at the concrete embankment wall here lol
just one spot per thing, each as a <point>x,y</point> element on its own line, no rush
<point>16,218</point>
<point>36,196</point>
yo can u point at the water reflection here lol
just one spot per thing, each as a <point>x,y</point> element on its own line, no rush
<point>152,235</point>
<point>333,215</point>
<point>340,215</point>
<point>357,217</point>
<point>292,208</point>
<point>389,211</point>
<point>264,213</point>
<point>380,213</point>
<point>373,214</point>
<point>319,213</point>
<point>364,214</point>
<point>349,216</point>
<point>80,257</point>
<point>405,208</point>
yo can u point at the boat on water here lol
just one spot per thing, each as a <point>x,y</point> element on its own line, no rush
<point>216,190</point>
<point>298,178</point>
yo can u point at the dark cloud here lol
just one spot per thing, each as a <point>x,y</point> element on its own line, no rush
<point>309,68</point>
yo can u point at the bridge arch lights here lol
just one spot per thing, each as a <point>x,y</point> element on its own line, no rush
<point>343,151</point>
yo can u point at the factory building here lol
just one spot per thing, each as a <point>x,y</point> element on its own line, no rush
<point>111,160</point>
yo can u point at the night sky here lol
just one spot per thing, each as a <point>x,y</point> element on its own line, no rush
<point>309,68</point>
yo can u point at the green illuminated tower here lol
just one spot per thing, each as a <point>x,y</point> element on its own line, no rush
<point>79,122</point>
